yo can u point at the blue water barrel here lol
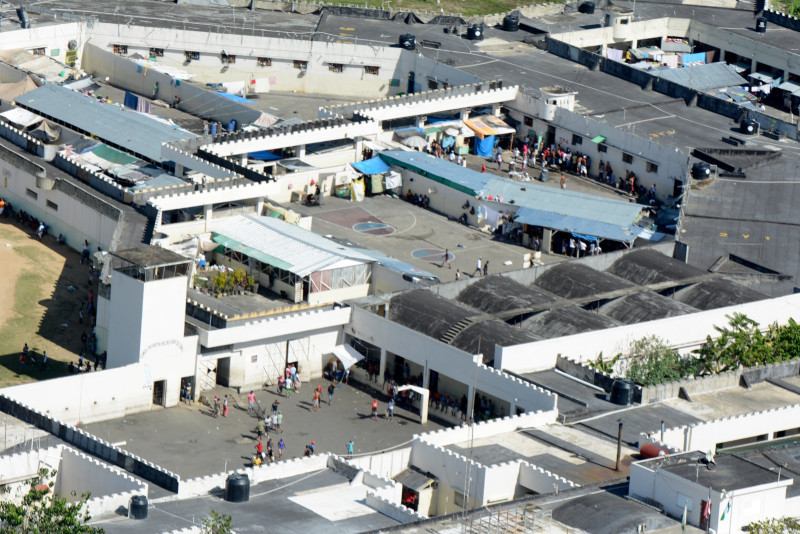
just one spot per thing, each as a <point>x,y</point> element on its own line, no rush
<point>212,128</point>
<point>231,125</point>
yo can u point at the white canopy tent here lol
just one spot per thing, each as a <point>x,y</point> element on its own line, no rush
<point>347,355</point>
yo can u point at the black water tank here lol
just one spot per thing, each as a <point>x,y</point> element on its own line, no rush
<point>23,17</point>
<point>511,23</point>
<point>701,171</point>
<point>761,25</point>
<point>586,8</point>
<point>749,126</point>
<point>622,392</point>
<point>137,509</point>
<point>475,32</point>
<point>237,488</point>
<point>408,41</point>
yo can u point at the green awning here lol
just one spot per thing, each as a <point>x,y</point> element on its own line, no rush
<point>251,252</point>
<point>598,139</point>
<point>431,130</point>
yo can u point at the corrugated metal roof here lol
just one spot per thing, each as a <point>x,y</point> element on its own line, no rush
<point>114,124</point>
<point>564,203</point>
<point>295,249</point>
<point>437,169</point>
<point>702,77</point>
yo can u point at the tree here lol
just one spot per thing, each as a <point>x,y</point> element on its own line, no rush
<point>740,343</point>
<point>652,361</point>
<point>217,524</point>
<point>41,511</point>
<point>779,525</point>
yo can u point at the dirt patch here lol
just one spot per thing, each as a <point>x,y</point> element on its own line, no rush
<point>42,288</point>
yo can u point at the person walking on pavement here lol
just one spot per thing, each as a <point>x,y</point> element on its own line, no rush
<point>478,268</point>
<point>251,402</point>
<point>315,406</point>
<point>486,268</point>
<point>331,389</point>
<point>375,408</point>
<point>390,410</point>
<point>281,446</point>
<point>350,448</point>
<point>446,259</point>
<point>225,406</point>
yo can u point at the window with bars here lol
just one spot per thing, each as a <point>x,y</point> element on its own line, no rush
<point>264,62</point>
<point>191,56</point>
<point>335,67</point>
<point>156,52</point>
<point>300,65</point>
<point>373,71</point>
<point>120,49</point>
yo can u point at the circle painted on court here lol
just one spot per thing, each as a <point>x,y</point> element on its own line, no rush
<point>431,254</point>
<point>374,228</point>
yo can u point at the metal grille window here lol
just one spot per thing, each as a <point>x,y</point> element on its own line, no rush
<point>191,56</point>
<point>372,70</point>
<point>335,67</point>
<point>264,62</point>
<point>300,65</point>
<point>120,49</point>
<point>355,275</point>
<point>156,52</point>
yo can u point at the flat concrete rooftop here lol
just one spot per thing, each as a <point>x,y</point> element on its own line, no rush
<point>321,501</point>
<point>189,441</point>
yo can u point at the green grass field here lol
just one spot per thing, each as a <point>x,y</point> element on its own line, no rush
<point>36,302</point>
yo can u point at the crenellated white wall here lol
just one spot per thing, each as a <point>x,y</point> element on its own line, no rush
<point>684,333</point>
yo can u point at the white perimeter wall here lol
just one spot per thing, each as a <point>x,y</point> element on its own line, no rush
<point>684,333</point>
<point>281,76</point>
<point>110,487</point>
<point>97,396</point>
<point>73,218</point>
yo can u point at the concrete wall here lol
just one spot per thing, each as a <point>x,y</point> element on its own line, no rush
<point>487,483</point>
<point>387,464</point>
<point>77,214</point>
<point>194,487</point>
<point>51,37</point>
<point>281,76</point>
<point>683,333</point>
<point>17,470</point>
<point>109,487</point>
<point>705,436</point>
<point>81,440</point>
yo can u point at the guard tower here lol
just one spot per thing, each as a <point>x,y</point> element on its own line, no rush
<point>148,305</point>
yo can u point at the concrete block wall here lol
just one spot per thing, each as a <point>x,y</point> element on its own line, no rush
<point>782,19</point>
<point>485,429</point>
<point>190,161</point>
<point>90,443</point>
<point>396,511</point>
<point>705,436</point>
<point>387,464</point>
<point>541,480</point>
<point>96,180</point>
<point>380,485</point>
<point>693,386</point>
<point>15,469</point>
<point>24,140</point>
<point>110,488</point>
<point>288,468</point>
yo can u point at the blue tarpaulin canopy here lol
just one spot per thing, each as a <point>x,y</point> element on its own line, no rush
<point>372,166</point>
<point>263,155</point>
<point>235,98</point>
<point>577,226</point>
<point>484,147</point>
<point>448,142</point>
<point>583,237</point>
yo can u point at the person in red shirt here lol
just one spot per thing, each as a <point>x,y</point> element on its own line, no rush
<point>259,453</point>
<point>375,408</point>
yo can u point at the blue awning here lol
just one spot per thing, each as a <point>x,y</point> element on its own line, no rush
<point>582,237</point>
<point>263,155</point>
<point>448,142</point>
<point>372,166</point>
<point>235,98</point>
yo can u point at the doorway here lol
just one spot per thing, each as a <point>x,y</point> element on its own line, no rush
<point>159,390</point>
<point>224,372</point>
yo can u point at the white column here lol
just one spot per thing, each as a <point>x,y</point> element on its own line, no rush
<point>547,240</point>
<point>382,368</point>
<point>463,114</point>
<point>470,401</point>
<point>179,170</point>
<point>423,409</point>
<point>301,151</point>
